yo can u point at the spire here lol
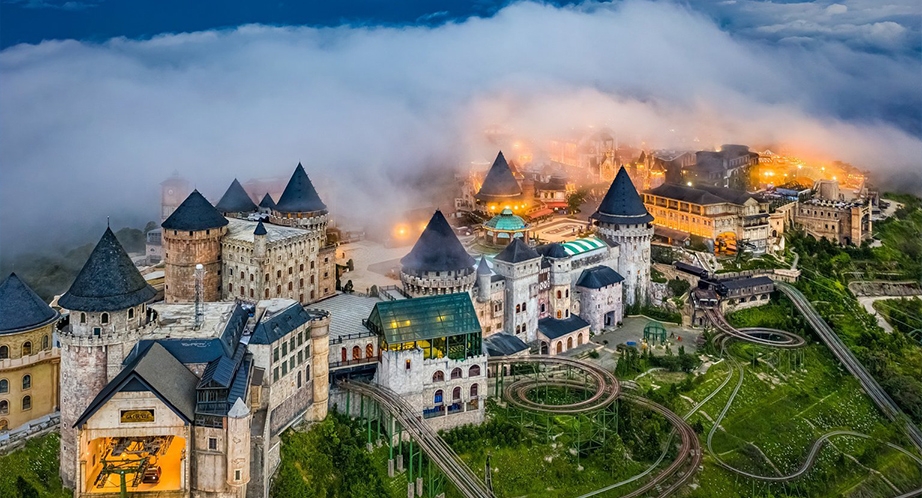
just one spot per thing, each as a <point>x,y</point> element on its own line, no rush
<point>236,200</point>
<point>483,268</point>
<point>260,229</point>
<point>109,281</point>
<point>267,202</point>
<point>437,249</point>
<point>622,204</point>
<point>299,195</point>
<point>195,213</point>
<point>21,308</point>
<point>500,184</point>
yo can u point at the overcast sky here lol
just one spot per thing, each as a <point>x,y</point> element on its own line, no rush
<point>88,128</point>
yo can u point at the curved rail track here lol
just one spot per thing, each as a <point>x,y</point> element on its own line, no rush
<point>435,447</point>
<point>607,389</point>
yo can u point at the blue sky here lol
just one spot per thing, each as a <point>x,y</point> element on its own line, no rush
<point>93,124</point>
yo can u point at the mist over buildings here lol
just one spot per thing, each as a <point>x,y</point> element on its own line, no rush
<point>90,130</point>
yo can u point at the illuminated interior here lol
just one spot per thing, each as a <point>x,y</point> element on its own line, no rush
<point>725,243</point>
<point>152,463</point>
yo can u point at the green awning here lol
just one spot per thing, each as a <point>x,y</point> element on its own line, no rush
<point>424,318</point>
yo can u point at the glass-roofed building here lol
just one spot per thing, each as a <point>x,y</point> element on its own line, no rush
<point>431,352</point>
<point>502,228</point>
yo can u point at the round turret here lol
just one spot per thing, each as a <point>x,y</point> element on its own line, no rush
<point>438,263</point>
<point>191,236</point>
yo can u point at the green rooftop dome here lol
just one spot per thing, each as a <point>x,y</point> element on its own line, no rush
<point>506,221</point>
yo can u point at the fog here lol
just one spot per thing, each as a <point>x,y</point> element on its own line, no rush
<point>90,130</point>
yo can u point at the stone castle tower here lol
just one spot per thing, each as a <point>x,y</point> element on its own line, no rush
<point>622,219</point>
<point>236,202</point>
<point>191,236</point>
<point>108,308</point>
<point>438,263</point>
<point>559,295</point>
<point>520,265</point>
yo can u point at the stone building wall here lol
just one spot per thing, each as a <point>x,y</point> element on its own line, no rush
<point>633,259</point>
<point>521,303</point>
<point>433,283</point>
<point>182,251</point>
<point>19,436</point>
<point>34,375</point>
<point>596,303</point>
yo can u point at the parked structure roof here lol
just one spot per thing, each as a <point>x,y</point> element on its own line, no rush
<point>702,195</point>
<point>580,246</point>
<point>516,252</point>
<point>552,328</point>
<point>503,344</point>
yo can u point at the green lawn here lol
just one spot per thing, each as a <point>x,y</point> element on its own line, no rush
<point>32,472</point>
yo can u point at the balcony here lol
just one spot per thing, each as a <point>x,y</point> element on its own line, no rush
<point>352,363</point>
<point>25,361</point>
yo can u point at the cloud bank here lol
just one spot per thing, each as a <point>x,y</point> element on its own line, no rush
<point>89,130</point>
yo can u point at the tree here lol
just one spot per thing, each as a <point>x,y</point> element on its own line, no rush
<point>576,199</point>
<point>678,287</point>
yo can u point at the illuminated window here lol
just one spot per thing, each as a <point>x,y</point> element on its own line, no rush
<point>407,365</point>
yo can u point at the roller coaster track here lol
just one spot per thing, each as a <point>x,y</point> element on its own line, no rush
<point>468,484</point>
<point>845,356</point>
<point>607,389</point>
<point>757,335</point>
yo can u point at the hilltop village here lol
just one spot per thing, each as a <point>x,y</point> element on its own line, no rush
<point>180,381</point>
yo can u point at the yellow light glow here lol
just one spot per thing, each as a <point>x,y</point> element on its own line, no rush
<point>689,184</point>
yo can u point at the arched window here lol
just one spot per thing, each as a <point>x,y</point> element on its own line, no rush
<point>4,425</point>
<point>82,317</point>
<point>104,318</point>
<point>356,352</point>
<point>289,285</point>
<point>26,403</point>
<point>474,371</point>
<point>559,294</point>
<point>26,382</point>
<point>456,373</point>
<point>579,339</point>
<point>130,313</point>
<point>569,342</point>
<point>559,314</point>
<point>456,394</point>
<point>27,348</point>
<point>251,293</point>
<point>4,386</point>
<point>230,288</point>
<point>559,347</point>
<point>242,292</point>
<point>4,352</point>
<point>369,350</point>
<point>4,407</point>
<point>343,354</point>
<point>473,391</point>
<point>278,273</point>
<point>267,277</point>
<point>44,342</point>
<point>290,269</point>
<point>267,293</point>
<point>437,399</point>
<point>301,267</point>
<point>438,376</point>
<point>312,279</point>
<point>278,290</point>
<point>301,282</point>
<point>518,308</point>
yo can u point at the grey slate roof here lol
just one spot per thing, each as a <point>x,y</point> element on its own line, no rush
<point>21,308</point>
<point>552,328</point>
<point>482,267</point>
<point>267,202</point>
<point>260,229</point>
<point>437,249</point>
<point>195,213</point>
<point>516,252</point>
<point>741,283</point>
<point>272,329</point>
<point>109,281</point>
<point>621,204</point>
<point>503,344</point>
<point>553,250</point>
<point>236,200</point>
<point>598,277</point>
<point>500,183</point>
<point>299,195</point>
<point>161,373</point>
<point>701,195</point>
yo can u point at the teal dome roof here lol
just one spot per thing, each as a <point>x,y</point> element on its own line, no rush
<point>506,221</point>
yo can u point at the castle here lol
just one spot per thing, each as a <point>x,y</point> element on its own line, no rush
<point>188,396</point>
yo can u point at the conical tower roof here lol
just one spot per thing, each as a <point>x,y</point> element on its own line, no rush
<point>500,184</point>
<point>21,308</point>
<point>108,281</point>
<point>622,205</point>
<point>299,195</point>
<point>516,252</point>
<point>236,200</point>
<point>437,249</point>
<point>260,229</point>
<point>483,268</point>
<point>195,213</point>
<point>267,202</point>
